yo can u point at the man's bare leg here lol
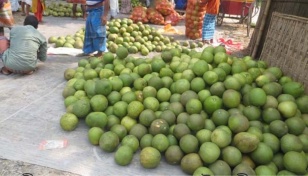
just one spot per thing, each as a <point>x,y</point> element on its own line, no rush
<point>74,9</point>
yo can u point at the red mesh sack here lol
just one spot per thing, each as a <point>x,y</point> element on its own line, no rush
<point>139,14</point>
<point>174,18</point>
<point>164,7</point>
<point>155,17</point>
<point>194,19</point>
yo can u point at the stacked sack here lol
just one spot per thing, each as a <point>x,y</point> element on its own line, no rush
<point>194,19</point>
<point>164,7</point>
<point>174,18</point>
<point>167,10</point>
<point>162,14</point>
<point>139,14</point>
<point>155,17</point>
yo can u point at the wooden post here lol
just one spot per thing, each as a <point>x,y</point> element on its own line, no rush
<point>259,36</point>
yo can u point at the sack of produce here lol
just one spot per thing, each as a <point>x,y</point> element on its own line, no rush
<point>164,7</point>
<point>174,18</point>
<point>155,17</point>
<point>194,19</point>
<point>139,14</point>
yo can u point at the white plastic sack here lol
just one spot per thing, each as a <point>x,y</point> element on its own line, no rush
<point>64,51</point>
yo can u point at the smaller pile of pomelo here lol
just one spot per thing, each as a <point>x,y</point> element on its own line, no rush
<point>69,41</point>
<point>61,9</point>
<point>136,37</point>
<point>141,38</point>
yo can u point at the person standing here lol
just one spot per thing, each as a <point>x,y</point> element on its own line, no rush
<point>38,7</point>
<point>14,5</point>
<point>208,28</point>
<point>27,45</point>
<point>114,8</point>
<point>95,31</point>
<point>6,20</point>
<point>25,7</point>
<point>6,15</point>
<point>74,8</point>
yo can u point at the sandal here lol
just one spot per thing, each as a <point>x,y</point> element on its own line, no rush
<point>84,54</point>
<point>205,42</point>
<point>98,55</point>
<point>30,72</point>
<point>74,17</point>
<point>5,71</point>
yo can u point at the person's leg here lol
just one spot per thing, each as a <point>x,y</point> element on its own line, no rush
<point>102,40</point>
<point>91,44</point>
<point>213,24</point>
<point>27,9</point>
<point>208,29</point>
<point>84,12</point>
<point>101,44</point>
<point>74,9</point>
<point>87,43</point>
<point>39,12</point>
<point>22,4</point>
<point>5,71</point>
<point>212,28</point>
<point>204,28</point>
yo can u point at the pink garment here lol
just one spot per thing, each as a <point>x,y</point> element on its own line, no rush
<point>4,44</point>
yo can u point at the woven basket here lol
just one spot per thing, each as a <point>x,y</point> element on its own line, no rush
<point>286,46</point>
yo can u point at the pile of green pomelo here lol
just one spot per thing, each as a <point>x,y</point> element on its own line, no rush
<point>136,37</point>
<point>64,9</point>
<point>61,9</point>
<point>209,112</point>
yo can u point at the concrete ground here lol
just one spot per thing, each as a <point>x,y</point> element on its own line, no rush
<point>32,105</point>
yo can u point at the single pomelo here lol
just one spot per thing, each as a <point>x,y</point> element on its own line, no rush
<point>190,163</point>
<point>94,135</point>
<point>257,97</point>
<point>122,52</point>
<point>124,155</point>
<point>295,89</point>
<point>150,157</point>
<point>68,122</point>
<point>245,142</point>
